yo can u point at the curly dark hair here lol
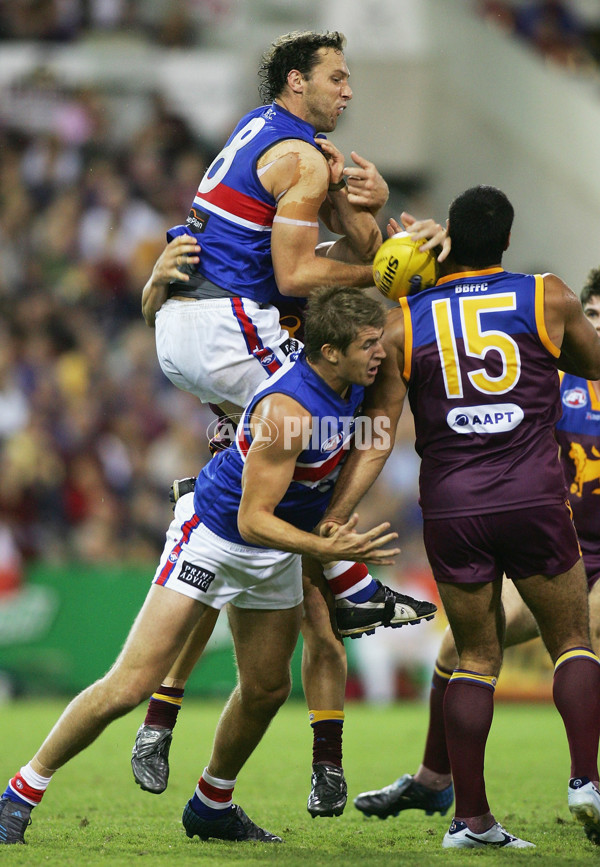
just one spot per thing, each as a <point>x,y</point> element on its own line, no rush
<point>591,286</point>
<point>296,50</point>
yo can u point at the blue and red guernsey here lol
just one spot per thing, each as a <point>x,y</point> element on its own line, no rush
<point>578,435</point>
<point>484,391</point>
<point>232,213</point>
<point>219,486</point>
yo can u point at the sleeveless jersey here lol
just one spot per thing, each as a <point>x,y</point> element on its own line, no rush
<point>219,486</point>
<point>232,213</point>
<point>578,435</point>
<point>484,391</point>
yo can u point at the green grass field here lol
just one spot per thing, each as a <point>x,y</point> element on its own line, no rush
<point>94,813</point>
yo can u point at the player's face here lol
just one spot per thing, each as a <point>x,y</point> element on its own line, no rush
<point>361,361</point>
<point>327,91</point>
<point>591,309</point>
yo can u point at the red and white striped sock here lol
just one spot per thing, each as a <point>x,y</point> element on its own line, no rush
<point>213,797</point>
<point>27,786</point>
<point>350,581</point>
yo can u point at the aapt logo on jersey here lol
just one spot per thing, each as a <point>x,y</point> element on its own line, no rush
<point>575,398</point>
<point>196,576</point>
<point>487,419</point>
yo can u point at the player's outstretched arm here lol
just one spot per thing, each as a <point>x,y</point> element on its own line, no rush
<point>384,401</point>
<point>570,330</point>
<point>180,251</point>
<point>281,429</point>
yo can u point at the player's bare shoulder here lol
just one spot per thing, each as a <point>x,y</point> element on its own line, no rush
<point>292,163</point>
<point>561,306</point>
<point>556,291</point>
<point>283,422</point>
<point>569,329</point>
<point>393,333</point>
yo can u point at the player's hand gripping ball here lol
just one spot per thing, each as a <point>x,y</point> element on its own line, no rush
<point>400,268</point>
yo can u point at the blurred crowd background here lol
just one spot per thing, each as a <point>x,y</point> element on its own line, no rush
<point>91,433</point>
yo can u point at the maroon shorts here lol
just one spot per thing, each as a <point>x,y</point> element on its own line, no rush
<point>591,560</point>
<point>538,540</point>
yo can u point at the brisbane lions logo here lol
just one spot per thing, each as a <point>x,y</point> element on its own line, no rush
<point>587,469</point>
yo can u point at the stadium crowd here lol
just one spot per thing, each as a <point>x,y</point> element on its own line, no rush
<point>91,433</point>
<point>556,30</point>
<point>565,33</point>
<point>156,21</point>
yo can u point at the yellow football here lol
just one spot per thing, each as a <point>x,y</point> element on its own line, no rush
<point>400,268</point>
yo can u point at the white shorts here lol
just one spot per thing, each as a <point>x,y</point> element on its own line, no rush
<point>220,349</point>
<point>202,565</point>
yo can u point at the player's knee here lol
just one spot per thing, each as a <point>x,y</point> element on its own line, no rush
<point>266,696</point>
<point>595,633</point>
<point>447,656</point>
<point>483,660</point>
<point>121,694</point>
<point>323,650</point>
<point>321,641</point>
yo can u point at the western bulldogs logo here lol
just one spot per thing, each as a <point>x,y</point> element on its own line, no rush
<point>332,443</point>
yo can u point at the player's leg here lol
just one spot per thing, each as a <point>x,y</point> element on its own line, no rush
<point>186,333</point>
<point>158,632</point>
<point>323,675</point>
<point>476,617</point>
<point>576,686</point>
<point>520,626</point>
<point>363,604</point>
<point>594,603</point>
<point>264,642</point>
<point>150,753</point>
<point>324,669</point>
<point>430,789</point>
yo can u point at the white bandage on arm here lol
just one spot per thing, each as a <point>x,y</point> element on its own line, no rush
<point>289,222</point>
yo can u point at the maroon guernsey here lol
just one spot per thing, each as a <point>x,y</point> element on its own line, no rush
<point>484,391</point>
